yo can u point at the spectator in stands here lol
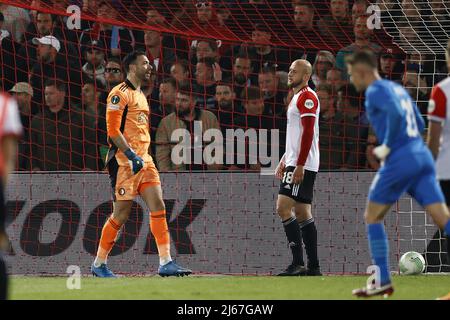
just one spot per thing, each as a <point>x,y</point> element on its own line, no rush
<point>262,53</point>
<point>226,109</point>
<point>330,131</point>
<point>337,27</point>
<point>23,93</point>
<point>118,41</point>
<point>359,8</point>
<point>241,78</point>
<point>390,65</point>
<point>45,24</point>
<point>439,18</point>
<point>223,15</point>
<point>184,117</point>
<point>16,20</point>
<point>162,57</point>
<point>9,66</point>
<point>50,65</point>
<point>273,97</point>
<point>93,117</point>
<point>206,48</point>
<point>306,32</point>
<point>354,128</point>
<point>94,68</point>
<point>180,71</point>
<point>113,73</point>
<point>207,74</point>
<point>362,41</point>
<point>167,95</point>
<point>255,119</point>
<point>336,79</point>
<point>324,62</point>
<point>56,132</point>
<point>417,87</point>
<point>372,161</point>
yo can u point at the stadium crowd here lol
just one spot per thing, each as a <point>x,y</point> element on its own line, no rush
<point>233,54</point>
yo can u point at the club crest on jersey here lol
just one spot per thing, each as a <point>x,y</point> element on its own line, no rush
<point>121,191</point>
<point>115,99</point>
<point>431,106</point>
<point>309,104</point>
<point>142,118</point>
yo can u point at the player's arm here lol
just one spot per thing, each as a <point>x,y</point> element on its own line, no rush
<point>116,104</point>
<point>308,107</point>
<point>393,117</point>
<point>436,117</point>
<point>12,129</point>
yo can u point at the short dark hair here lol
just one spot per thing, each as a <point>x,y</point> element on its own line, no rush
<point>325,87</point>
<point>212,44</point>
<point>57,83</point>
<point>185,89</point>
<point>52,16</point>
<point>252,93</point>
<point>115,60</point>
<point>170,81</point>
<point>183,63</point>
<point>303,4</point>
<point>366,57</point>
<point>209,61</point>
<point>269,69</point>
<point>131,58</point>
<point>95,82</point>
<point>2,17</point>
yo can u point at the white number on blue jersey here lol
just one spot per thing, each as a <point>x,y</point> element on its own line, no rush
<point>411,124</point>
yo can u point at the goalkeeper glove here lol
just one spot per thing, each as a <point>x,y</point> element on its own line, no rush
<point>381,152</point>
<point>136,162</point>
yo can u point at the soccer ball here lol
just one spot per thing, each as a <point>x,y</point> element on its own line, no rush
<point>412,263</point>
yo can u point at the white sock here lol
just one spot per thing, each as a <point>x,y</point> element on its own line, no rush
<point>98,262</point>
<point>164,260</point>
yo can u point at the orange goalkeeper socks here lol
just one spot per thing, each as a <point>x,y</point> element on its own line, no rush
<point>160,230</point>
<point>107,240</point>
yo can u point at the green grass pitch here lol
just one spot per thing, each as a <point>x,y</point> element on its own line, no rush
<point>221,287</point>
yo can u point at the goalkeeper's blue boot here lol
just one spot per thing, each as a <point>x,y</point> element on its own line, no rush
<point>102,271</point>
<point>172,269</point>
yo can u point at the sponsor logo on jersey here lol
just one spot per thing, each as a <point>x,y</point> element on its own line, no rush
<point>142,118</point>
<point>309,104</point>
<point>115,99</point>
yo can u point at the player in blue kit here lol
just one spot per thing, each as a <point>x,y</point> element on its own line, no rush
<point>407,163</point>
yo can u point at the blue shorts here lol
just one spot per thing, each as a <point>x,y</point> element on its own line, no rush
<point>407,172</point>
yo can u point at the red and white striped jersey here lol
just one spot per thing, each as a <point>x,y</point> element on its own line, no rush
<point>9,121</point>
<point>439,110</point>
<point>9,117</point>
<point>304,104</point>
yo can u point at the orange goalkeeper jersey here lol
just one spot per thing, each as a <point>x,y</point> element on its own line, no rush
<point>127,111</point>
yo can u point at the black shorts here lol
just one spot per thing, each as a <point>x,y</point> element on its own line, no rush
<point>302,192</point>
<point>445,186</point>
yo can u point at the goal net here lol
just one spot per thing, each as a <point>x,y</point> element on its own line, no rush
<point>61,58</point>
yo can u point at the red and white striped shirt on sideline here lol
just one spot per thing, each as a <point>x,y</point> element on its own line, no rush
<point>302,134</point>
<point>439,110</point>
<point>9,121</point>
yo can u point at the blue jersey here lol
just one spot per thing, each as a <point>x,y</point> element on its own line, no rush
<point>409,167</point>
<point>394,116</point>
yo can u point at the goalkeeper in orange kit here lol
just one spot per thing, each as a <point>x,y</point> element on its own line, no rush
<point>131,168</point>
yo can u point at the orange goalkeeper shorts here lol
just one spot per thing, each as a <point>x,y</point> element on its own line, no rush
<point>126,185</point>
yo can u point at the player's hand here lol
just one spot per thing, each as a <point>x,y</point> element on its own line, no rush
<point>280,170</point>
<point>217,71</point>
<point>136,162</point>
<point>381,152</point>
<point>297,175</point>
